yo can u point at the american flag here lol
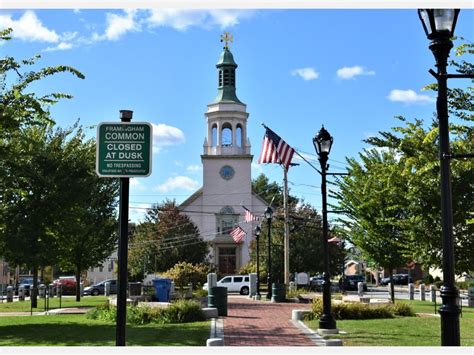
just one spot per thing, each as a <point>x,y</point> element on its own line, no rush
<point>275,150</point>
<point>249,216</point>
<point>238,234</point>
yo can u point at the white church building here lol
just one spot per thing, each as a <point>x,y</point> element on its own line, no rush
<point>216,208</point>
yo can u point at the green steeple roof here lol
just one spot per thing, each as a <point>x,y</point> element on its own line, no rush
<point>226,70</point>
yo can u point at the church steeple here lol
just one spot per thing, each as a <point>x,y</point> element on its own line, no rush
<point>226,116</point>
<point>226,74</point>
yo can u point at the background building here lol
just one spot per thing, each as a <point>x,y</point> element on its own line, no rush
<point>216,208</point>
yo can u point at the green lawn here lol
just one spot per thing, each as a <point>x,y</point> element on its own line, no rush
<point>402,331</point>
<point>62,330</point>
<point>66,302</point>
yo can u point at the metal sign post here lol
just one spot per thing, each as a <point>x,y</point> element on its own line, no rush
<point>124,150</point>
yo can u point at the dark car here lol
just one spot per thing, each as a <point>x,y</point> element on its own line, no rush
<point>316,283</point>
<point>349,282</point>
<point>99,288</point>
<point>398,279</point>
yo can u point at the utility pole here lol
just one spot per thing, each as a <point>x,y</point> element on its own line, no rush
<point>286,238</point>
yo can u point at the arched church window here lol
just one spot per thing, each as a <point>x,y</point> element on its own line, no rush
<point>214,135</point>
<point>226,220</point>
<point>227,210</point>
<point>226,135</point>
<point>239,137</point>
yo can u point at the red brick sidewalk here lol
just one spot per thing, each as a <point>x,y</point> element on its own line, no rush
<point>261,323</point>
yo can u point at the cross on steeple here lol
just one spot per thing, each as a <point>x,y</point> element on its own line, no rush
<point>227,37</point>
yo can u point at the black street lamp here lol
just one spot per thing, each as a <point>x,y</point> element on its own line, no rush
<point>439,26</point>
<point>258,230</point>
<point>268,216</point>
<point>323,143</point>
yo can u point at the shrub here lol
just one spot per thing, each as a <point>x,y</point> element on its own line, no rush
<point>105,312</point>
<point>428,279</point>
<point>184,273</point>
<point>181,311</point>
<point>438,284</point>
<point>200,293</point>
<point>402,309</point>
<point>360,310</point>
<point>248,268</point>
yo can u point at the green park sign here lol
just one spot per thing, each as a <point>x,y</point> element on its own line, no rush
<point>124,149</point>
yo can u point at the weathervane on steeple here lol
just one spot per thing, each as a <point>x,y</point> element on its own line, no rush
<point>227,37</point>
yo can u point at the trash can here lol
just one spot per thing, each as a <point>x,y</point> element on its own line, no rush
<point>217,298</point>
<point>162,289</point>
<point>134,288</point>
<point>278,292</point>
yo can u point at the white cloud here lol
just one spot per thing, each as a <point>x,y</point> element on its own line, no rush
<point>409,97</point>
<point>29,28</point>
<point>60,47</point>
<point>351,72</point>
<point>194,168</point>
<point>178,182</point>
<point>136,184</point>
<point>164,135</point>
<point>305,73</point>
<point>118,25</point>
<point>182,19</point>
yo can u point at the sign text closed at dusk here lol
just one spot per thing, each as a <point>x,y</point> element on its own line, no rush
<point>124,149</point>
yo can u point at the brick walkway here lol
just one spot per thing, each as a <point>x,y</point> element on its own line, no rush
<point>260,323</point>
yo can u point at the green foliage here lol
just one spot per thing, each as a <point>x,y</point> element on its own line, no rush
<point>183,273</point>
<point>165,238</point>
<point>402,309</point>
<point>104,312</point>
<point>343,311</point>
<point>181,311</point>
<point>249,268</point>
<point>18,107</point>
<point>306,252</point>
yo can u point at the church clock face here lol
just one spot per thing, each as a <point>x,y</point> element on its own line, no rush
<point>227,172</point>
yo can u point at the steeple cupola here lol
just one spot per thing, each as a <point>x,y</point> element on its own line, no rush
<point>226,67</point>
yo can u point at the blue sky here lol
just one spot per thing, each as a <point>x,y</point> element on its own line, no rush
<point>351,70</point>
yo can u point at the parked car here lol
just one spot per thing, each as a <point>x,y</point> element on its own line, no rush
<point>316,282</point>
<point>234,283</point>
<point>350,282</point>
<point>27,284</point>
<point>99,288</point>
<point>398,279</point>
<point>67,283</point>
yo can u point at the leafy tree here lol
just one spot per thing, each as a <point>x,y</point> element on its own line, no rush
<point>19,108</point>
<point>165,238</point>
<point>271,192</point>
<point>87,230</point>
<point>374,195</point>
<point>306,250</point>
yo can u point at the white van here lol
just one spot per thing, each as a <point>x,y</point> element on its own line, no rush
<point>234,283</point>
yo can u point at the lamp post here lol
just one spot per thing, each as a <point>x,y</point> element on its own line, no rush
<point>257,237</point>
<point>439,27</point>
<point>268,216</point>
<point>322,143</point>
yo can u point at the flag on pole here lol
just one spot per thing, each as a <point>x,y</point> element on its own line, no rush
<point>249,216</point>
<point>275,150</point>
<point>238,234</point>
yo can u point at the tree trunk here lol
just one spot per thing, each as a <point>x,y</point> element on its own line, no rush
<point>392,287</point>
<point>78,282</point>
<point>34,288</point>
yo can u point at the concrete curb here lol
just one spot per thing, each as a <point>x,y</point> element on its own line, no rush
<point>217,333</point>
<point>314,336</point>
